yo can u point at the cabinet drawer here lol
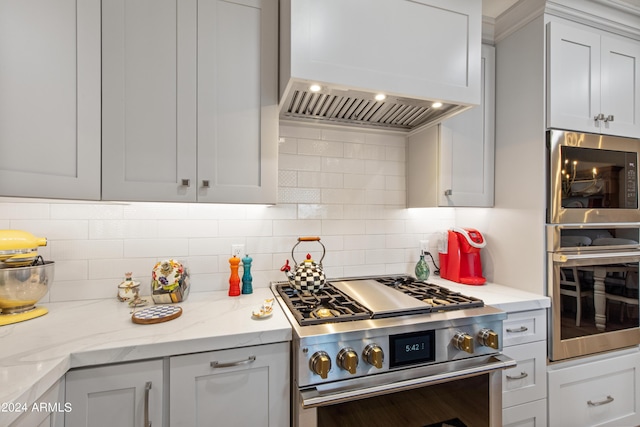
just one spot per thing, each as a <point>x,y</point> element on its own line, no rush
<point>526,381</point>
<point>532,414</point>
<point>524,326</point>
<point>602,393</point>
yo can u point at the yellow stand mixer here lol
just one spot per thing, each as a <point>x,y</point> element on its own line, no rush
<point>24,276</point>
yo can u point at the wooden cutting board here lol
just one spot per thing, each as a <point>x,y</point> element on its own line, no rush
<point>156,314</point>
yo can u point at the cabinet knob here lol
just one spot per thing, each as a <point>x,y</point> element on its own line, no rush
<point>609,118</point>
<point>598,117</point>
<point>205,183</point>
<point>186,182</point>
<point>448,192</point>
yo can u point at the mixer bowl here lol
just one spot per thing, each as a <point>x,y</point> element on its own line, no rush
<point>22,287</point>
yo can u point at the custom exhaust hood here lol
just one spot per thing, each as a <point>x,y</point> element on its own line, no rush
<point>383,64</point>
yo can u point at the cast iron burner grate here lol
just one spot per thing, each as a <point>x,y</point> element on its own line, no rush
<point>327,305</point>
<point>441,298</point>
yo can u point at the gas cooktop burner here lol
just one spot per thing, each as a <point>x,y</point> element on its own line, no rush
<point>331,304</point>
<point>327,305</point>
<point>439,297</point>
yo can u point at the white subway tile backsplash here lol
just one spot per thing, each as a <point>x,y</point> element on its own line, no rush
<point>17,208</point>
<point>346,186</point>
<point>297,228</point>
<point>299,163</point>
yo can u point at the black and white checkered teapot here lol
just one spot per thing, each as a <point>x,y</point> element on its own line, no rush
<point>307,277</point>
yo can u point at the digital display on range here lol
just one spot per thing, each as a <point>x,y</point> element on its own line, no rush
<point>412,348</point>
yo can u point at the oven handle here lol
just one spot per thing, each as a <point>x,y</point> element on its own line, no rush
<point>312,398</point>
<point>600,257</point>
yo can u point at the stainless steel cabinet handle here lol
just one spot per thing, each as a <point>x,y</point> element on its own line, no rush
<point>217,364</point>
<point>205,183</point>
<point>598,117</point>
<point>520,329</point>
<point>186,182</point>
<point>448,192</point>
<point>609,118</point>
<point>518,377</point>
<point>609,399</point>
<point>147,388</point>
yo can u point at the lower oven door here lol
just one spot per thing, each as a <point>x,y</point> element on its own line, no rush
<point>461,393</point>
<point>594,302</point>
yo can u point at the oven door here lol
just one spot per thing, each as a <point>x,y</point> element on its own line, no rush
<point>593,178</point>
<point>594,301</point>
<point>462,393</point>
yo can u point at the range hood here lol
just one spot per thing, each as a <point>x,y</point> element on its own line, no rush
<point>420,57</point>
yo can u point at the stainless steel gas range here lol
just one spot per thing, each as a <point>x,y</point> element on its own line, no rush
<point>393,350</point>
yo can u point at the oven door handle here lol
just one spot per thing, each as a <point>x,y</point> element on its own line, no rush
<point>312,398</point>
<point>601,257</point>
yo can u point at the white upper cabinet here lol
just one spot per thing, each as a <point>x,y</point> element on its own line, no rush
<point>50,99</point>
<point>189,100</point>
<point>593,81</point>
<point>452,164</point>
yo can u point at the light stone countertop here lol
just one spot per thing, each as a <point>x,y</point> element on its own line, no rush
<point>36,353</point>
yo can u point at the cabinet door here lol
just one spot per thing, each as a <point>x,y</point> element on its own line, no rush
<point>602,393</point>
<point>148,104</point>
<point>50,99</point>
<point>457,154</point>
<point>467,144</point>
<point>237,101</point>
<point>240,387</point>
<point>620,71</point>
<point>573,78</point>
<point>46,411</point>
<point>115,395</point>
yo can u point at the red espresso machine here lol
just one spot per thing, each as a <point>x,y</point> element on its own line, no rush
<point>461,262</point>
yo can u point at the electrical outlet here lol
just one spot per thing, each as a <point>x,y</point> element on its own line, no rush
<point>424,245</point>
<point>237,250</point>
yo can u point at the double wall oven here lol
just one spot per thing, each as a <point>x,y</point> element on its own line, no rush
<point>593,250</point>
<point>392,350</point>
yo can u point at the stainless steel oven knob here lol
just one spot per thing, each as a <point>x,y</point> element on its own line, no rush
<point>348,360</point>
<point>463,341</point>
<point>373,355</point>
<point>320,364</point>
<point>489,338</point>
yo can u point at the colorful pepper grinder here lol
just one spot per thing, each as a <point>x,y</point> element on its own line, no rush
<point>247,280</point>
<point>234,280</point>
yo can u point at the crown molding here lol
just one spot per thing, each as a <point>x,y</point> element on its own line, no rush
<point>616,16</point>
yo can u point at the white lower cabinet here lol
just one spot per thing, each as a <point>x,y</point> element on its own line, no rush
<point>47,411</point>
<point>123,395</point>
<point>524,387</point>
<point>246,386</point>
<point>532,414</point>
<point>597,392</point>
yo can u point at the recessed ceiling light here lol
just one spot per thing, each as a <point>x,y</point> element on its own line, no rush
<point>380,97</point>
<point>436,105</point>
<point>315,88</point>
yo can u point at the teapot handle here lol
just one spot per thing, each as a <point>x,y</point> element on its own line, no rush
<point>308,239</point>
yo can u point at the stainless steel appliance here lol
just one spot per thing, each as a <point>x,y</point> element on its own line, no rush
<point>393,351</point>
<point>593,178</point>
<point>593,286</point>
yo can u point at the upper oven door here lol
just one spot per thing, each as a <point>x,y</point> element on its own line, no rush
<point>593,178</point>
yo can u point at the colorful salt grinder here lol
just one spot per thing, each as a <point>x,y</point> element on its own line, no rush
<point>247,280</point>
<point>234,280</point>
